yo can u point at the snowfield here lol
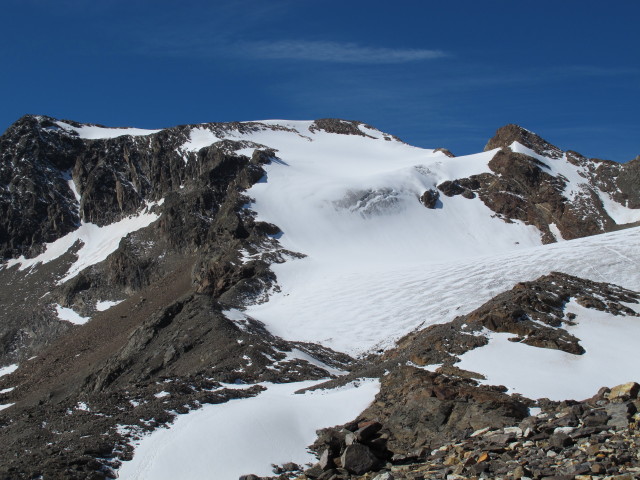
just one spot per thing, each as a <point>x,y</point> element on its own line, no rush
<point>246,436</point>
<point>357,307</point>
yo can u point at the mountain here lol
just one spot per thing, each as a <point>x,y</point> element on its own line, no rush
<point>153,275</point>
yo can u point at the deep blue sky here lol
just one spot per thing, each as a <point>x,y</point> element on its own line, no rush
<point>433,73</point>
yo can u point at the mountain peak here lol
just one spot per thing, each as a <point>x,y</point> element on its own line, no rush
<point>510,133</point>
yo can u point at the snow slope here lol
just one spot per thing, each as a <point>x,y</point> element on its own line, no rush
<point>378,263</point>
<point>357,307</point>
<point>246,436</point>
<point>94,132</point>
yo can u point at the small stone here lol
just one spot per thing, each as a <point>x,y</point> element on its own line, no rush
<point>565,430</point>
<point>502,439</point>
<point>452,459</point>
<point>560,440</point>
<point>384,476</point>
<point>592,450</point>
<point>581,468</point>
<point>518,472</point>
<point>483,458</point>
<point>517,431</point>
<point>479,432</point>
<point>597,469</point>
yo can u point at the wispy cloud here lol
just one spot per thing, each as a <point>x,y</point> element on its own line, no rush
<point>298,50</point>
<point>336,52</point>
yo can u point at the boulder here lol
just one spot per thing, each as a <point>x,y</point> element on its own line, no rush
<point>430,198</point>
<point>358,459</point>
<point>626,391</point>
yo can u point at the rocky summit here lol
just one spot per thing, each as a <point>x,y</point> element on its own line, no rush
<point>455,317</point>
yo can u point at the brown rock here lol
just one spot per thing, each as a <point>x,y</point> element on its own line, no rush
<point>626,391</point>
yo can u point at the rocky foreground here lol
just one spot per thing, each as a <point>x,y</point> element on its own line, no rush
<point>598,438</point>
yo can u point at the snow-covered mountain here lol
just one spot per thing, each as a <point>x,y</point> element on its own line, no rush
<point>150,272</point>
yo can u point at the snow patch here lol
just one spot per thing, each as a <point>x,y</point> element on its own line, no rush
<point>97,243</point>
<point>107,304</point>
<point>6,405</point>
<point>621,214</point>
<point>611,358</point>
<point>297,354</point>
<point>8,369</point>
<point>69,315</point>
<point>93,132</point>
<point>555,231</point>
<point>199,137</point>
<point>274,426</point>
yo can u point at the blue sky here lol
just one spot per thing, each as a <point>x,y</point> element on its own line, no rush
<point>434,73</point>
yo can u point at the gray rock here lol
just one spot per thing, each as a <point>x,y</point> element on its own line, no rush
<point>619,413</point>
<point>358,459</point>
<point>560,440</point>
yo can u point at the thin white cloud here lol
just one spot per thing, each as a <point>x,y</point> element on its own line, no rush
<point>336,52</point>
<point>299,50</point>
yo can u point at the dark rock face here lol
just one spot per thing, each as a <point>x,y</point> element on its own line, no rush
<point>114,177</point>
<point>508,134</point>
<point>36,203</point>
